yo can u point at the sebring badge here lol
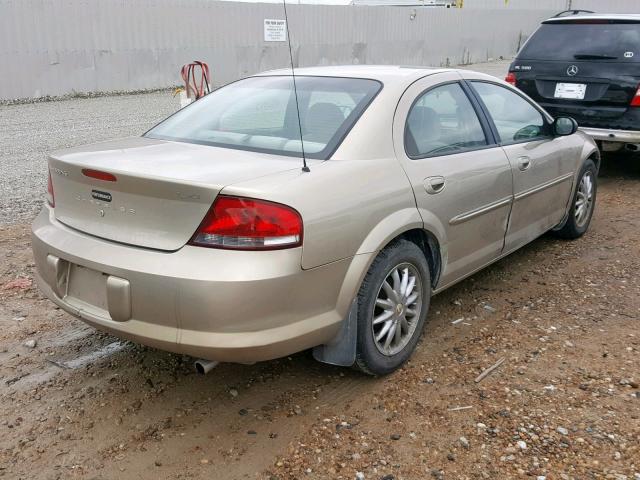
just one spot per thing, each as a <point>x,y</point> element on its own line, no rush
<point>572,71</point>
<point>98,195</point>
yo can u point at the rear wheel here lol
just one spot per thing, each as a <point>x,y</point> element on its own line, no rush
<point>392,306</point>
<point>582,205</point>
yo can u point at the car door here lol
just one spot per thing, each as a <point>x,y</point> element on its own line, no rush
<point>542,170</point>
<point>460,177</point>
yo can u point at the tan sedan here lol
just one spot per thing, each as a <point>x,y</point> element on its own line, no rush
<point>206,237</point>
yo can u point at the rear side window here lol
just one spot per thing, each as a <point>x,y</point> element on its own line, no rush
<point>442,121</point>
<point>584,41</point>
<point>260,114</point>
<point>516,120</point>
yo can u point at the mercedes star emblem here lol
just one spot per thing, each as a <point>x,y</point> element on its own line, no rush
<point>572,70</point>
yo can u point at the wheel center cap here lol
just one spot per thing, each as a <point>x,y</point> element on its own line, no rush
<point>399,309</point>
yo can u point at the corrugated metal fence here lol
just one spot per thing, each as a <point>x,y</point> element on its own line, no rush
<point>56,47</point>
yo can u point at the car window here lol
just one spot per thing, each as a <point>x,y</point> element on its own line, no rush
<point>265,111</point>
<point>442,121</point>
<point>584,40</point>
<point>344,101</point>
<point>260,114</point>
<point>515,119</point>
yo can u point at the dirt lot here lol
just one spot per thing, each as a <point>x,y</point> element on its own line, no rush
<point>564,404</point>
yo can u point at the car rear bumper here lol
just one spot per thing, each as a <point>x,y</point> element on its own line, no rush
<point>234,306</point>
<point>610,135</point>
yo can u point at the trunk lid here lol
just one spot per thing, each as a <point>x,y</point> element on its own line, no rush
<point>162,190</point>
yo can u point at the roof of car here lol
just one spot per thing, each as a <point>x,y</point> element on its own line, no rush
<point>385,73</point>
<point>595,16</point>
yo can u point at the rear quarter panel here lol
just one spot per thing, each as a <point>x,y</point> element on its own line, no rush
<point>348,207</point>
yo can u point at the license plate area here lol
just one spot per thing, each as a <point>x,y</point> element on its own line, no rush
<point>573,91</point>
<point>87,290</point>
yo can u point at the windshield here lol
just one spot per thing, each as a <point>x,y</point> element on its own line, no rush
<point>259,114</point>
<point>584,41</point>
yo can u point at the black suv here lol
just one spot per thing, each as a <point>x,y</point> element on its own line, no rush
<point>586,66</point>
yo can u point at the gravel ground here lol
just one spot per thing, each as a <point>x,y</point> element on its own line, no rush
<point>30,131</point>
<point>564,404</point>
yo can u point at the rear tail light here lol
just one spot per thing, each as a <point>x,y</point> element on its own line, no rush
<point>50,196</point>
<point>511,78</point>
<point>248,224</point>
<point>635,102</point>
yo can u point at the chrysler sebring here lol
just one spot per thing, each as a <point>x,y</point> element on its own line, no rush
<point>206,236</point>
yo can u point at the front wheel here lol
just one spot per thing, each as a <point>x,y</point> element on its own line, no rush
<point>392,306</point>
<point>582,204</point>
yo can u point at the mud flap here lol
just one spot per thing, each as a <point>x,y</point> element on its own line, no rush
<point>341,350</point>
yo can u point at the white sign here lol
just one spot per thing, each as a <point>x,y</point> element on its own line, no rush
<point>275,30</point>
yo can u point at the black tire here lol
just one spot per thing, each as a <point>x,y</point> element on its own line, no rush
<point>369,359</point>
<point>573,229</point>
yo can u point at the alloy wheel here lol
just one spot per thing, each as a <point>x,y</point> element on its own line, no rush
<point>397,309</point>
<point>584,199</point>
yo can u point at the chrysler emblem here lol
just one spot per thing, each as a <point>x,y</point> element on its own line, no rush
<point>572,70</point>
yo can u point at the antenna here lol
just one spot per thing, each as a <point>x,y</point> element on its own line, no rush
<point>305,168</point>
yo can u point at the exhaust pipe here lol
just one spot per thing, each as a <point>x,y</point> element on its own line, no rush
<point>204,366</point>
<point>632,147</point>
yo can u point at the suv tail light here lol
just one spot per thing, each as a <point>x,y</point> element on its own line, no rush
<point>511,78</point>
<point>50,196</point>
<point>635,102</point>
<point>239,223</point>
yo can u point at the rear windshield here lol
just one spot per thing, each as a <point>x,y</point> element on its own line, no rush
<point>584,41</point>
<point>259,114</point>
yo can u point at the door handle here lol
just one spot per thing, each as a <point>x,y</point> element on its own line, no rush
<point>434,185</point>
<point>524,163</point>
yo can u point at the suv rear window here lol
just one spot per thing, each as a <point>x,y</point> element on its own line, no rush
<point>259,114</point>
<point>584,40</point>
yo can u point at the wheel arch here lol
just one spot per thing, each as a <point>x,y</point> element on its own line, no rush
<point>430,246</point>
<point>593,154</point>
<point>341,350</point>
<point>589,152</point>
<point>408,223</point>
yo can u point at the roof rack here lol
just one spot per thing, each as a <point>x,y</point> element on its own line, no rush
<point>567,13</point>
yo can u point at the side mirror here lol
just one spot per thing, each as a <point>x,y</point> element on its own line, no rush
<point>563,126</point>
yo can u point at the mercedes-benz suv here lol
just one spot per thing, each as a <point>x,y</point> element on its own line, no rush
<point>586,66</point>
